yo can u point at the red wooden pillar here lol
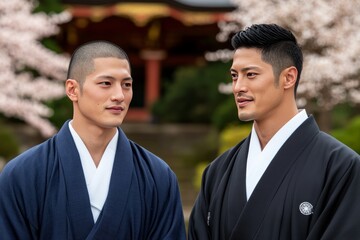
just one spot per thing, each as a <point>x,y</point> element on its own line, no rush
<point>152,75</point>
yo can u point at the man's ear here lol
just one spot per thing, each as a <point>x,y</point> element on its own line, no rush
<point>72,89</point>
<point>289,77</point>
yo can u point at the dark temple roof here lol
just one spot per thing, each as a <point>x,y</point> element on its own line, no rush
<point>191,5</point>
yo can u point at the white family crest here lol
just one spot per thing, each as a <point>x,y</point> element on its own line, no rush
<point>208,219</point>
<point>306,208</point>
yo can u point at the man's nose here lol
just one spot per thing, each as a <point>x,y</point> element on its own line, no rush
<point>117,94</point>
<point>239,86</point>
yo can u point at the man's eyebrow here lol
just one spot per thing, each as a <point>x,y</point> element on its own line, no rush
<point>109,77</point>
<point>105,77</point>
<point>246,69</point>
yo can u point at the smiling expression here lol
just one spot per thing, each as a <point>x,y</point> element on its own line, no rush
<point>257,95</point>
<point>104,98</point>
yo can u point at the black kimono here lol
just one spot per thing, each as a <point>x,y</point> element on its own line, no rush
<point>43,195</point>
<point>310,190</point>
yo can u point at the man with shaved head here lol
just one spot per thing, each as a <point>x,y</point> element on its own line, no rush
<point>90,181</point>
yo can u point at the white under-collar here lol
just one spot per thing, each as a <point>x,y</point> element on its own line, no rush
<point>258,160</point>
<point>97,178</point>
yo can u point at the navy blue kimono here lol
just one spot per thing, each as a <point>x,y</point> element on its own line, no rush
<point>43,195</point>
<point>310,190</point>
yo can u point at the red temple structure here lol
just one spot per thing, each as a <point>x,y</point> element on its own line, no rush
<point>157,35</point>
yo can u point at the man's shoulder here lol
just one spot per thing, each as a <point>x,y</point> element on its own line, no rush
<point>33,159</point>
<point>338,158</point>
<point>222,163</point>
<point>148,158</point>
<point>333,146</point>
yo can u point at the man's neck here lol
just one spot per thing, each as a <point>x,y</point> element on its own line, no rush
<point>95,139</point>
<point>266,129</point>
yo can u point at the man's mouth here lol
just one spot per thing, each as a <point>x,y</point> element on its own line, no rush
<point>115,109</point>
<point>242,101</point>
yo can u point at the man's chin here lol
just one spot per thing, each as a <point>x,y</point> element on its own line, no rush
<point>113,124</point>
<point>245,117</point>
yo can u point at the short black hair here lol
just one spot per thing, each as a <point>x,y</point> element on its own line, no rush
<point>82,60</point>
<point>278,46</point>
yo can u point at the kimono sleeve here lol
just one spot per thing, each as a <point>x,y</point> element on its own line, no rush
<point>169,223</point>
<point>341,214</point>
<point>14,221</point>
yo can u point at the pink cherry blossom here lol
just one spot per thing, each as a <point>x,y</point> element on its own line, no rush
<point>327,30</point>
<point>22,93</point>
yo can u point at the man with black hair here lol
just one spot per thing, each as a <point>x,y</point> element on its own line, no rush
<point>90,181</point>
<point>287,179</point>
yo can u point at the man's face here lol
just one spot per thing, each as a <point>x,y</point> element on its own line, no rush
<point>105,96</point>
<point>257,95</point>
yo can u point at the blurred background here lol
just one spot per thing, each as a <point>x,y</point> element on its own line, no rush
<point>180,52</point>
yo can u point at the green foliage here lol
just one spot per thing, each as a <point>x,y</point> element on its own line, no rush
<point>229,137</point>
<point>350,135</point>
<point>198,174</point>
<point>50,6</point>
<point>62,111</point>
<point>51,44</point>
<point>341,114</point>
<point>202,155</point>
<point>225,114</point>
<point>193,96</point>
<point>204,151</point>
<point>9,146</point>
<point>232,135</point>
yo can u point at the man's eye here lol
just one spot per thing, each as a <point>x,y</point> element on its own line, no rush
<point>105,83</point>
<point>251,75</point>
<point>127,85</point>
<point>233,76</point>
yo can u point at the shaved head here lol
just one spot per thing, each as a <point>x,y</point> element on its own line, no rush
<point>82,60</point>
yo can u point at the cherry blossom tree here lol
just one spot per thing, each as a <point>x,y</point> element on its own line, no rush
<point>30,74</point>
<point>327,30</point>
